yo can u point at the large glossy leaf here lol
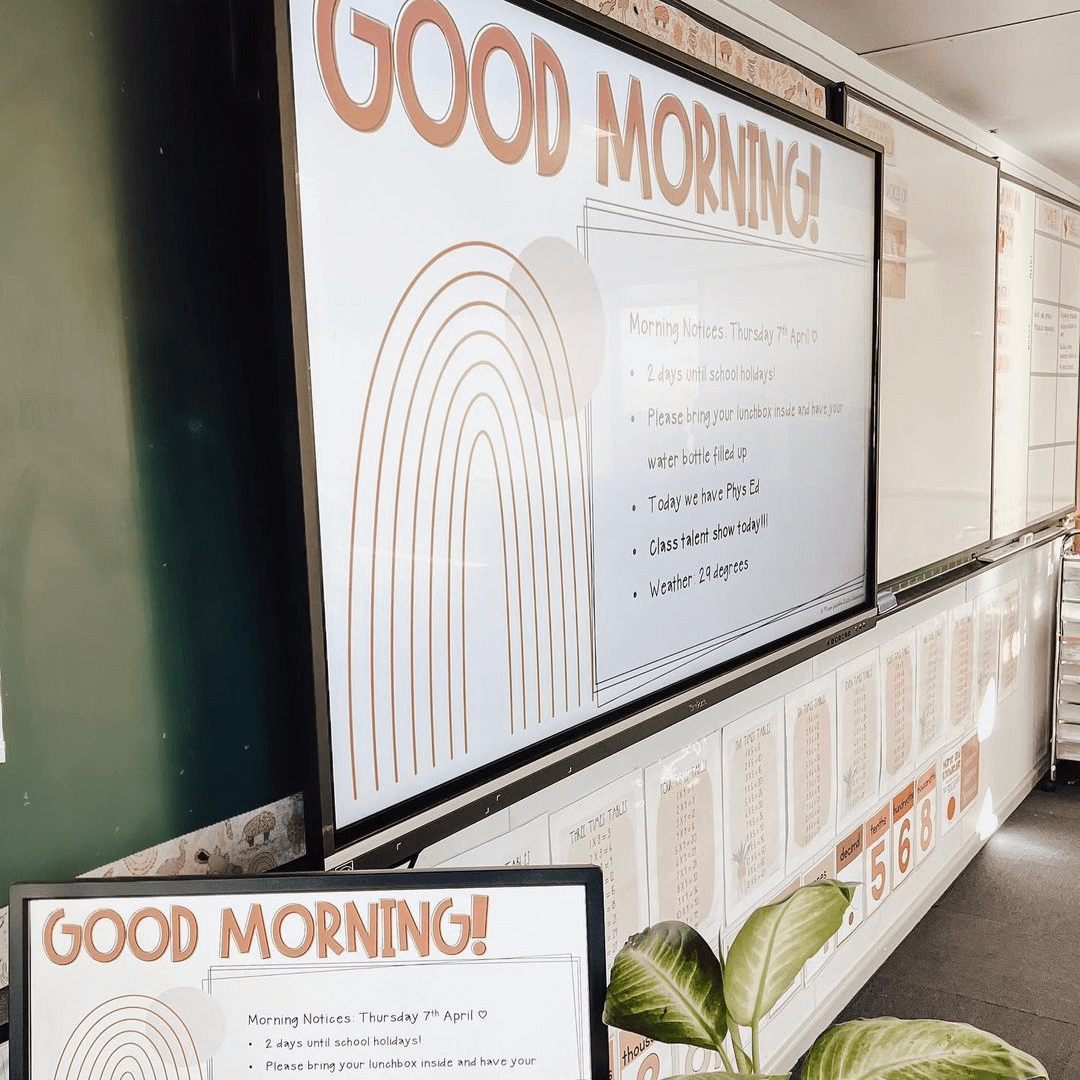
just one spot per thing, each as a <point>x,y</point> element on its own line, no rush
<point>775,942</point>
<point>888,1049</point>
<point>666,983</point>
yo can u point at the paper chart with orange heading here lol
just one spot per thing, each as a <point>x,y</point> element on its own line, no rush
<point>589,349</point>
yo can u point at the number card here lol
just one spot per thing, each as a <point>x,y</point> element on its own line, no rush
<point>431,973</point>
<point>878,858</point>
<point>932,684</point>
<point>607,829</point>
<point>810,713</point>
<point>754,820</point>
<point>950,788</point>
<point>898,705</point>
<point>850,868</point>
<point>969,772</point>
<point>824,871</point>
<point>1012,596</point>
<point>961,669</point>
<point>858,740</point>
<point>903,834</point>
<point>682,807</point>
<point>926,793</point>
<point>694,1060</point>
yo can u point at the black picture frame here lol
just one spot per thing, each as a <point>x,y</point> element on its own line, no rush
<point>587,878</point>
<point>393,836</point>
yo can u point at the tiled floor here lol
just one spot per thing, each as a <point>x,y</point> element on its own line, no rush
<point>1001,949</point>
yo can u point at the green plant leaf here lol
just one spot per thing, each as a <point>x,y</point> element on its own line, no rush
<point>733,1076</point>
<point>775,942</point>
<point>666,983</point>
<point>889,1049</point>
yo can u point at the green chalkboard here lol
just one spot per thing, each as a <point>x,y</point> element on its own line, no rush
<point>153,626</point>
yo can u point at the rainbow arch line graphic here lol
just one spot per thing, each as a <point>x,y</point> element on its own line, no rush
<point>132,1037</point>
<point>471,433</point>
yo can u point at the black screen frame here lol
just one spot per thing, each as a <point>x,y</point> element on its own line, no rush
<point>399,833</point>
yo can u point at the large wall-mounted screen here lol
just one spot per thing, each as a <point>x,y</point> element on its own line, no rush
<point>590,352</point>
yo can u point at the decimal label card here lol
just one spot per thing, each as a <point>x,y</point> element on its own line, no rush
<point>969,772</point>
<point>898,704</point>
<point>858,721</point>
<point>932,684</point>
<point>926,808</point>
<point>607,829</point>
<point>961,669</point>
<point>754,822</point>
<point>682,803</point>
<point>811,761</point>
<point>1011,638</point>
<point>824,871</point>
<point>987,648</point>
<point>527,845</point>
<point>850,868</point>
<point>878,859</point>
<point>903,834</point>
<point>950,788</point>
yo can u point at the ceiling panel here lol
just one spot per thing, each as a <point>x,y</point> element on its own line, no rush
<point>868,25</point>
<point>1022,82</point>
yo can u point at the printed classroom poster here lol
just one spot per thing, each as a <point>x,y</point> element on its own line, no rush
<point>961,669</point>
<point>810,714</point>
<point>898,706</point>
<point>932,670</point>
<point>858,718</point>
<point>607,829</point>
<point>987,650</point>
<point>399,983</point>
<point>567,422</point>
<point>754,809</point>
<point>683,810</point>
<point>1012,638</point>
<point>527,845</point>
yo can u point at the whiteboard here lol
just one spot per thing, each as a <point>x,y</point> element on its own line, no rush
<point>579,380</point>
<point>1037,370</point>
<point>937,343</point>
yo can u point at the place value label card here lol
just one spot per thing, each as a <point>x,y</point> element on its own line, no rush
<point>851,868</point>
<point>926,812</point>
<point>754,811</point>
<point>682,805</point>
<point>392,981</point>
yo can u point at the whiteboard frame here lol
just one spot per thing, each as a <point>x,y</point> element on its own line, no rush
<point>1055,517</point>
<point>396,835</point>
<point>948,563</point>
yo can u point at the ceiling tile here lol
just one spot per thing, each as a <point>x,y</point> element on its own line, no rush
<point>1022,82</point>
<point>867,25</point>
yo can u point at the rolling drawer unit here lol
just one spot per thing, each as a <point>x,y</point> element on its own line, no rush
<point>1067,668</point>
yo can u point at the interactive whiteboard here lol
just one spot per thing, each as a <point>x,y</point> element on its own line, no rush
<point>590,359</point>
<point>937,343</point>
<point>1038,358</point>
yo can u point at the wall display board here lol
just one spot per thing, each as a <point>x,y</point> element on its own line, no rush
<point>563,426</point>
<point>1037,370</point>
<point>937,342</point>
<point>433,973</point>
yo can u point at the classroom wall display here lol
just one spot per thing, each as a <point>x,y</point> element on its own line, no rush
<point>937,342</point>
<point>961,710</point>
<point>810,727</point>
<point>858,738</point>
<point>1037,370</point>
<point>898,705</point>
<point>434,973</point>
<point>932,685</point>
<point>554,458</point>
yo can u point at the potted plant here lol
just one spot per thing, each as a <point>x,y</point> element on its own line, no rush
<point>668,985</point>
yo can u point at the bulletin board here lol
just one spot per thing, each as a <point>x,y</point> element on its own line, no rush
<point>937,341</point>
<point>1038,358</point>
<point>555,459</point>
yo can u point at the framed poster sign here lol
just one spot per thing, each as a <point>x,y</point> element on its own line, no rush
<point>430,973</point>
